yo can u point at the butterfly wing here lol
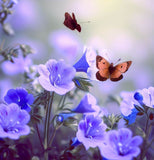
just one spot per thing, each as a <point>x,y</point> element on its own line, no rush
<point>77,26</point>
<point>69,21</point>
<point>103,65</point>
<point>116,75</point>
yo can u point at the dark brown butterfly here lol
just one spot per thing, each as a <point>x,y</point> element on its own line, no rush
<point>107,70</point>
<point>71,22</point>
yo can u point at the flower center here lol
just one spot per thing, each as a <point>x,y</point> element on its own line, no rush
<point>123,149</point>
<point>58,79</point>
<point>87,134</point>
<point>55,79</point>
<point>11,129</point>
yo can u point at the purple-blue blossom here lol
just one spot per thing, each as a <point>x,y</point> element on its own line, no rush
<point>88,105</point>
<point>127,103</point>
<point>56,76</point>
<point>91,131</point>
<point>87,63</point>
<point>19,66</point>
<point>145,97</point>
<point>5,85</point>
<point>120,145</point>
<point>27,9</point>
<point>13,121</point>
<point>140,98</point>
<point>75,142</point>
<point>21,97</point>
<point>127,107</point>
<point>131,117</point>
<point>66,44</point>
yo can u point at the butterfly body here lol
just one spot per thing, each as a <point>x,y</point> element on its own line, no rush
<point>108,70</point>
<point>71,22</point>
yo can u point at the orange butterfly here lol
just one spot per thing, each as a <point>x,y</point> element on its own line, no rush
<point>71,22</point>
<point>107,70</point>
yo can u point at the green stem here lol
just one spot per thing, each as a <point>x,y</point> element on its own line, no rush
<point>49,114</point>
<point>47,108</point>
<point>45,125</point>
<point>52,137</point>
<point>143,151</point>
<point>63,101</point>
<point>38,133</point>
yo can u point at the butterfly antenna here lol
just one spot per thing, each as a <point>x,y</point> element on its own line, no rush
<point>118,60</point>
<point>85,22</point>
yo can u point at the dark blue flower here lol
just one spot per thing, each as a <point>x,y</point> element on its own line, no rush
<point>82,65</point>
<point>75,142</point>
<point>21,97</point>
<point>87,63</point>
<point>13,121</point>
<point>56,76</point>
<point>138,96</point>
<point>131,117</point>
<point>86,105</point>
<point>91,131</point>
<point>120,145</point>
<point>65,116</point>
<point>59,119</point>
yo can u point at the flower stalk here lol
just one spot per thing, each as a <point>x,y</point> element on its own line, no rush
<point>47,122</point>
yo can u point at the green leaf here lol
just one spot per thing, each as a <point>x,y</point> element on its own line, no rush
<point>82,83</point>
<point>26,49</point>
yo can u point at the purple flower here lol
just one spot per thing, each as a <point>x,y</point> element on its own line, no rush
<point>88,105</point>
<point>145,97</point>
<point>19,66</point>
<point>87,63</point>
<point>21,97</point>
<point>31,18</point>
<point>5,85</point>
<point>127,104</point>
<point>13,121</point>
<point>91,131</point>
<point>120,145</point>
<point>127,107</point>
<point>65,43</point>
<point>139,98</point>
<point>56,76</point>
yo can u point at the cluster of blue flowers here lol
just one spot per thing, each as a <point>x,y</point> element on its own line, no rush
<point>14,114</point>
<point>56,76</point>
